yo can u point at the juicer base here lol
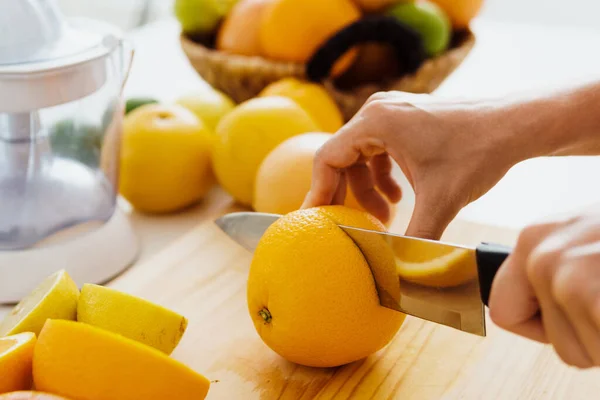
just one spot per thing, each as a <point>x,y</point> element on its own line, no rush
<point>92,257</point>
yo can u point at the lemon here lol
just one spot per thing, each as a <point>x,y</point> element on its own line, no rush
<point>131,316</point>
<point>165,158</point>
<point>80,361</point>
<point>56,297</point>
<point>210,105</point>
<point>313,98</point>
<point>428,264</point>
<point>247,134</point>
<point>16,354</point>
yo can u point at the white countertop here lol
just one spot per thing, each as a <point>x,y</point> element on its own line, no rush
<point>506,58</point>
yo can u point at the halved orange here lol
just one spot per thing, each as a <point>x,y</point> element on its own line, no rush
<point>16,354</point>
<point>428,264</point>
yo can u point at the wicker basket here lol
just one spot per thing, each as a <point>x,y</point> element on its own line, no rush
<point>243,77</point>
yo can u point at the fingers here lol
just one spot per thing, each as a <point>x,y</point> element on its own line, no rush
<point>340,195</point>
<point>381,167</point>
<point>513,302</point>
<point>542,267</point>
<point>513,305</point>
<point>363,186</point>
<point>434,210</point>
<point>577,297</point>
<point>343,150</point>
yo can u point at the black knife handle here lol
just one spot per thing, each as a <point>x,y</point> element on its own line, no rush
<point>490,258</point>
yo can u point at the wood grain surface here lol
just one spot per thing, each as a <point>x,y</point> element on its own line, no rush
<point>202,274</point>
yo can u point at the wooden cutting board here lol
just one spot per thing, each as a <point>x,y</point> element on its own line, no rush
<point>202,274</point>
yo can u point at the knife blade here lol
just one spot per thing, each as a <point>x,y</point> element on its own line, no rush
<point>461,307</point>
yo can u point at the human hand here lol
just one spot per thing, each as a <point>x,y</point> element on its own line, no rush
<point>451,153</point>
<point>548,290</point>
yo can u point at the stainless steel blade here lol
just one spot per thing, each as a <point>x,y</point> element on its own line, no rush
<point>246,228</point>
<point>459,307</point>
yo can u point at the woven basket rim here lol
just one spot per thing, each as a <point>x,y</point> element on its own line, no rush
<point>196,49</point>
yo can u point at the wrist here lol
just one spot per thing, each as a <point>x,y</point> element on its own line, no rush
<point>566,123</point>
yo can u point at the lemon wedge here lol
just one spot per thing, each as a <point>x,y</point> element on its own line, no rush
<point>55,298</point>
<point>131,316</point>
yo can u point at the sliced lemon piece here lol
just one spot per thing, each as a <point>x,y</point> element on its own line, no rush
<point>131,316</point>
<point>56,298</point>
<point>16,354</point>
<point>79,361</point>
<point>435,266</point>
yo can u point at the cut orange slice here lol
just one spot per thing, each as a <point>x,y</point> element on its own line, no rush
<point>16,354</point>
<point>429,264</point>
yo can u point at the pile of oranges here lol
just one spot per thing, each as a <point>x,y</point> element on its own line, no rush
<point>293,30</point>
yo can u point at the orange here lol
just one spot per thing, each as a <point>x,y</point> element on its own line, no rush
<point>80,361</point>
<point>377,5</point>
<point>239,33</point>
<point>428,264</point>
<point>247,134</point>
<point>461,12</point>
<point>313,98</point>
<point>30,395</point>
<point>293,30</point>
<point>284,177</point>
<point>16,353</point>
<point>311,292</point>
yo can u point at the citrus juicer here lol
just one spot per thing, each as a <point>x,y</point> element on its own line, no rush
<point>61,110</point>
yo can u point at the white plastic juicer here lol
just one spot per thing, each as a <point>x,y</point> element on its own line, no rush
<point>61,110</point>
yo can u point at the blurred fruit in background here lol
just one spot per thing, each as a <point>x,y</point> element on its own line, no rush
<point>210,105</point>
<point>78,141</point>
<point>371,6</point>
<point>461,12</point>
<point>293,30</point>
<point>165,158</point>
<point>135,102</point>
<point>284,177</point>
<point>201,17</point>
<point>240,32</point>
<point>376,62</point>
<point>248,133</point>
<point>427,19</point>
<point>313,98</point>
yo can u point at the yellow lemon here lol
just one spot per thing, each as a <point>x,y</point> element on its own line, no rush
<point>313,98</point>
<point>131,316</point>
<point>56,297</point>
<point>80,361</point>
<point>311,290</point>
<point>428,264</point>
<point>210,105</point>
<point>16,353</point>
<point>165,158</point>
<point>247,134</point>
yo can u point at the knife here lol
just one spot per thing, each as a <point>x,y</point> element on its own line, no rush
<point>461,306</point>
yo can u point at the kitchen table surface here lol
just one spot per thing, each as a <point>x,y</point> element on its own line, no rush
<point>187,264</point>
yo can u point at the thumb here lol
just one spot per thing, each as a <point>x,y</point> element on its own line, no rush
<point>433,212</point>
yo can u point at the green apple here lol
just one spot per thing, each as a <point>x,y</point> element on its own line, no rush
<point>209,105</point>
<point>136,102</point>
<point>429,20</point>
<point>200,17</point>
